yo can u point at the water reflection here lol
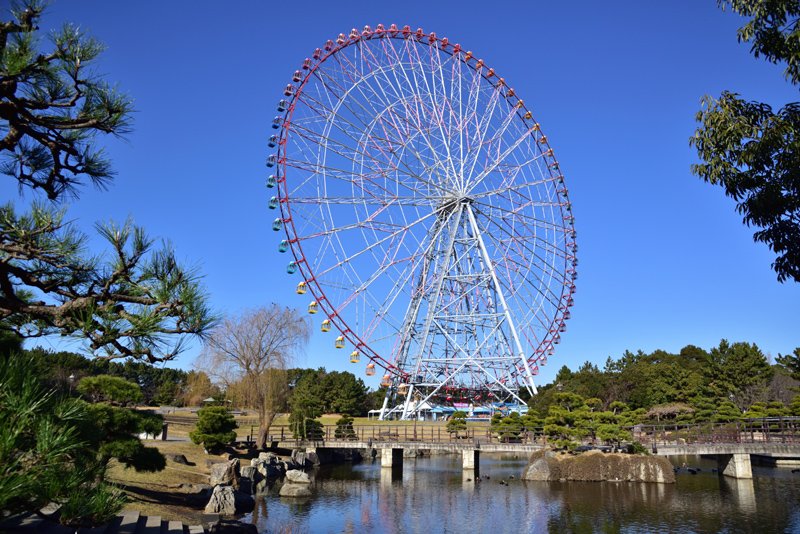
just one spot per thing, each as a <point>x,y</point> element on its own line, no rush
<point>743,492</point>
<point>434,495</point>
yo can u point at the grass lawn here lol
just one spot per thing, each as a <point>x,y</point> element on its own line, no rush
<point>160,493</point>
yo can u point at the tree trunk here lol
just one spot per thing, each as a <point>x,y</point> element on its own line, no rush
<point>265,419</point>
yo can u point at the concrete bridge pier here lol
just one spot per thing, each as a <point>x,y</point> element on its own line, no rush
<point>392,457</point>
<point>735,465</point>
<point>470,460</point>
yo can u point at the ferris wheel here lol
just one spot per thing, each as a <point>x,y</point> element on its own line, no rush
<point>424,213</point>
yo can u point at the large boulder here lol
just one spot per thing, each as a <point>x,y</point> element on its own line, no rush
<point>225,473</point>
<point>312,458</point>
<point>295,490</point>
<point>269,457</point>
<point>270,470</point>
<point>288,466</point>
<point>177,458</point>
<point>248,471</point>
<point>595,466</point>
<point>297,477</point>
<point>223,501</point>
<point>299,458</point>
<point>538,468</point>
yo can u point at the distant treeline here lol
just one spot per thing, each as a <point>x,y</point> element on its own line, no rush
<point>159,385</point>
<point>730,381</point>
<point>337,392</point>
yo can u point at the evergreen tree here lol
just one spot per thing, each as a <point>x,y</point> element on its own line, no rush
<point>306,404</point>
<point>45,455</point>
<point>215,428</point>
<point>794,407</point>
<point>344,428</point>
<point>111,389</point>
<point>790,362</point>
<point>457,423</point>
<point>738,371</point>
<point>137,301</point>
<point>344,393</point>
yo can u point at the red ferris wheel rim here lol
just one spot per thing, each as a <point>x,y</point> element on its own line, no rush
<point>565,300</point>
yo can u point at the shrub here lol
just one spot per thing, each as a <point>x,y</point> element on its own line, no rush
<point>215,428</point>
<point>509,428</point>
<point>457,422</point>
<point>93,505</point>
<point>314,429</point>
<point>44,456</point>
<point>344,428</point>
<point>637,448</point>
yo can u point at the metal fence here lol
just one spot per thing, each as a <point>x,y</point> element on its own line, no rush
<point>409,434</point>
<point>765,430</point>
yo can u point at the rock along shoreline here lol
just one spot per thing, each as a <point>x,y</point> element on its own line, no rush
<point>596,466</point>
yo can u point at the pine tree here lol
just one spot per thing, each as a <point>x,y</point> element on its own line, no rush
<point>215,428</point>
<point>137,301</point>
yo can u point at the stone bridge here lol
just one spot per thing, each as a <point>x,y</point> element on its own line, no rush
<point>774,439</point>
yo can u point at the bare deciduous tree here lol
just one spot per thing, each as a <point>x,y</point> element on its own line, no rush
<point>250,352</point>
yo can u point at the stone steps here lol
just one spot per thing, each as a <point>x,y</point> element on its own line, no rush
<point>127,523</point>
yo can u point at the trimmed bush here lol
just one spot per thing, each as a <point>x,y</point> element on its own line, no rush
<point>215,428</point>
<point>344,428</point>
<point>457,422</point>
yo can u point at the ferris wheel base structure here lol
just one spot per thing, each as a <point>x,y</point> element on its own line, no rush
<point>427,215</point>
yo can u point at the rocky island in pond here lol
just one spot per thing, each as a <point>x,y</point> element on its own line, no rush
<point>596,466</point>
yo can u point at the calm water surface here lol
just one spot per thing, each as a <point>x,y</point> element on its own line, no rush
<point>433,495</point>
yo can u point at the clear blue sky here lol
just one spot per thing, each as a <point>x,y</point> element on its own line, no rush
<point>664,259</point>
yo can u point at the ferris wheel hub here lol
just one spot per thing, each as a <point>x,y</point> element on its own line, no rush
<point>427,214</point>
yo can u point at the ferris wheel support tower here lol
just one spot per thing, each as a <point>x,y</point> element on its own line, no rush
<point>427,215</point>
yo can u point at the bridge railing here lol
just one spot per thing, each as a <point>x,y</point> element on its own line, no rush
<point>773,430</point>
<point>423,434</point>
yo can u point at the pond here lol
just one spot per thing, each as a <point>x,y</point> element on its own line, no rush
<point>433,494</point>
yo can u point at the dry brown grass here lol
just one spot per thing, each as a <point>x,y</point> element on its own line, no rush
<point>160,493</point>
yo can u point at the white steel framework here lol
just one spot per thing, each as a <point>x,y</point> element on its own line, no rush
<point>427,215</point>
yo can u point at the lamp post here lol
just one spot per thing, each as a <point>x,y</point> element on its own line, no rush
<point>71,379</point>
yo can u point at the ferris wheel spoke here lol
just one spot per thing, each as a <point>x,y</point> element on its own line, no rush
<point>523,242</point>
<point>359,87</point>
<point>371,246</point>
<point>511,262</point>
<point>379,307</point>
<point>518,188</point>
<point>320,139</point>
<point>525,250</point>
<point>483,122</point>
<point>437,109</point>
<point>365,200</point>
<point>414,88</point>
<point>406,145</point>
<point>519,213</point>
<point>490,168</point>
<point>329,113</point>
<point>524,237</point>
<point>399,98</point>
<point>423,212</point>
<point>549,295</point>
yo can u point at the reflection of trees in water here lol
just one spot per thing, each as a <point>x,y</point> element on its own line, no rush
<point>704,502</point>
<point>432,495</point>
